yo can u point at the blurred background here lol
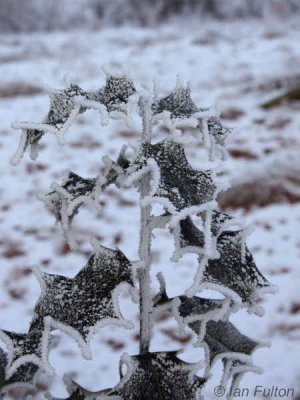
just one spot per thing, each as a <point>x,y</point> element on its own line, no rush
<point>241,57</point>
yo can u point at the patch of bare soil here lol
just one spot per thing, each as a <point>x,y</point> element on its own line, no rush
<point>256,193</point>
<point>16,89</point>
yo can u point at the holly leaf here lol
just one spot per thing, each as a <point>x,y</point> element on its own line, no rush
<point>178,103</point>
<point>25,348</point>
<point>66,104</point>
<point>82,304</point>
<point>25,375</point>
<point>190,310</point>
<point>235,268</point>
<point>157,376</point>
<point>64,201</point>
<point>115,94</point>
<point>62,111</point>
<point>197,312</point>
<point>224,340</point>
<point>174,182</point>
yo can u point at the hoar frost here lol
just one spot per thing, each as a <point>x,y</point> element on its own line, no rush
<point>162,174</point>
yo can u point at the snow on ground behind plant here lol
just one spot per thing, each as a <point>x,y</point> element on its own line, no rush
<point>232,67</point>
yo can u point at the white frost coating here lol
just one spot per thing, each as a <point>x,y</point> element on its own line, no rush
<point>198,276</point>
<point>51,324</point>
<point>232,355</point>
<point>213,315</point>
<point>209,113</point>
<point>43,127</point>
<point>107,161</point>
<point>209,250</point>
<point>23,385</point>
<point>175,125</point>
<point>155,176</point>
<point>130,107</point>
<point>166,203</point>
<point>205,132</point>
<point>21,148</point>
<point>145,235</point>
<point>175,304</point>
<point>39,126</point>
<point>115,299</point>
<point>60,132</point>
<point>231,225</point>
<point>242,237</point>
<point>59,189</point>
<point>95,105</point>
<point>228,293</point>
<point>255,308</point>
<point>145,102</point>
<point>238,373</point>
<point>148,198</point>
<point>39,276</point>
<point>226,373</point>
<point>150,167</point>
<point>162,282</point>
<point>189,211</point>
<point>68,205</point>
<point>130,365</point>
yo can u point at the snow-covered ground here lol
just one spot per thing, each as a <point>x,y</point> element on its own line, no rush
<point>234,67</point>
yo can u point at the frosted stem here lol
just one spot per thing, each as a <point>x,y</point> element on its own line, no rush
<point>145,241</point>
<point>145,106</point>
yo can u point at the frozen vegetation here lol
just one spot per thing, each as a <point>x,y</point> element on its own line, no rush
<point>234,69</point>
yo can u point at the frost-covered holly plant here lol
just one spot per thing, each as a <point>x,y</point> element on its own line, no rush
<point>162,174</point>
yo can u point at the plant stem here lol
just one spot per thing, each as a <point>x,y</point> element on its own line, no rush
<point>145,241</point>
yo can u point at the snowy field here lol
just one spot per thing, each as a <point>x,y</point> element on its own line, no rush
<point>235,68</point>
